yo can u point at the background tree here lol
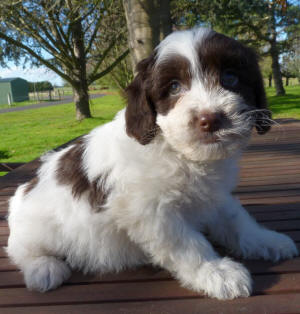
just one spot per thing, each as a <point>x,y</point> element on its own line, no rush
<point>267,25</point>
<point>291,61</point>
<point>266,69</point>
<point>40,86</point>
<point>148,22</point>
<point>121,75</point>
<point>287,70</point>
<point>61,35</point>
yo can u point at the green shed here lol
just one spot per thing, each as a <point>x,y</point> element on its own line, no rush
<point>16,87</point>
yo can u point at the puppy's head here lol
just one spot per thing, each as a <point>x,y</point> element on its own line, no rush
<point>202,92</point>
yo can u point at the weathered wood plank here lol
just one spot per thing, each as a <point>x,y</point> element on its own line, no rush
<point>264,185</point>
<point>270,200</point>
<point>268,277</point>
<point>286,303</point>
<point>277,216</point>
<point>108,292</point>
<point>281,207</point>
<point>134,291</point>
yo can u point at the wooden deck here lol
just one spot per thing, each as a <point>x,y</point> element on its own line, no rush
<point>270,190</point>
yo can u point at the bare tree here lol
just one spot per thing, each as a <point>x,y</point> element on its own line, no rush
<point>61,35</point>
<point>121,75</point>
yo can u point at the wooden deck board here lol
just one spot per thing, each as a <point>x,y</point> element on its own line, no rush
<point>286,303</point>
<point>270,190</point>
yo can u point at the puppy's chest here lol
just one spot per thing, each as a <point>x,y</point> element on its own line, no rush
<point>199,188</point>
<point>204,187</point>
<point>179,186</point>
<point>202,196</point>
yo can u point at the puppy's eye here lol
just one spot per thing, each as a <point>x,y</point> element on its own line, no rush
<point>175,88</point>
<point>229,78</point>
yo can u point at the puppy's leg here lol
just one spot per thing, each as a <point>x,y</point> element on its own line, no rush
<point>176,246</point>
<point>32,239</point>
<point>45,273</point>
<point>245,237</point>
<point>41,272</point>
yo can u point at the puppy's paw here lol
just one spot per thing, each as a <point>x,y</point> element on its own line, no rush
<point>224,279</point>
<point>46,273</point>
<point>269,245</point>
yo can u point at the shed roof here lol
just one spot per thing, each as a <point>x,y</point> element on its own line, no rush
<point>9,79</point>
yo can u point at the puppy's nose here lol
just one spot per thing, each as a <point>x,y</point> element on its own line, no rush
<point>210,121</point>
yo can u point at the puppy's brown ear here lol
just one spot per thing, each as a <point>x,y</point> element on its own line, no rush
<point>263,115</point>
<point>140,112</point>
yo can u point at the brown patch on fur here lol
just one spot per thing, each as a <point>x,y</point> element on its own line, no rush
<point>31,185</point>
<point>97,197</point>
<point>148,94</point>
<point>219,53</point>
<point>140,112</point>
<point>175,68</point>
<point>70,172</point>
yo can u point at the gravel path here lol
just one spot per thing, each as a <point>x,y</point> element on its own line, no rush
<point>64,100</point>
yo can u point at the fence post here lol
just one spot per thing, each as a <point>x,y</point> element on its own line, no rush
<point>9,99</point>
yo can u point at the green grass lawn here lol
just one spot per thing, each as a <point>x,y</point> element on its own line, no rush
<point>27,134</point>
<point>287,106</point>
<point>19,104</point>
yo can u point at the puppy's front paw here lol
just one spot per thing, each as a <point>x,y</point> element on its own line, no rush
<point>224,279</point>
<point>46,273</point>
<point>269,245</point>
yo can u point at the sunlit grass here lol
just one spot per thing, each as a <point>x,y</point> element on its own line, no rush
<point>287,106</point>
<point>27,134</point>
<point>18,104</point>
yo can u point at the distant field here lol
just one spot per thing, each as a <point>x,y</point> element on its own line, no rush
<point>28,134</point>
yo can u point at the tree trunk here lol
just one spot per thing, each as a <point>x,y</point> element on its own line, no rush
<point>276,71</point>
<point>270,80</point>
<point>274,51</point>
<point>148,22</point>
<point>160,20</point>
<point>287,81</point>
<point>81,99</point>
<point>80,86</point>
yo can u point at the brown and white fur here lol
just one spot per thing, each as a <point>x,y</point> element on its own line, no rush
<point>150,185</point>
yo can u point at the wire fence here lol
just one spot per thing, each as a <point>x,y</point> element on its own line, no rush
<point>9,100</point>
<point>49,95</point>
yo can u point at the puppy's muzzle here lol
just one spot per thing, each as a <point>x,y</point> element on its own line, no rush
<point>210,121</point>
<point>205,125</point>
